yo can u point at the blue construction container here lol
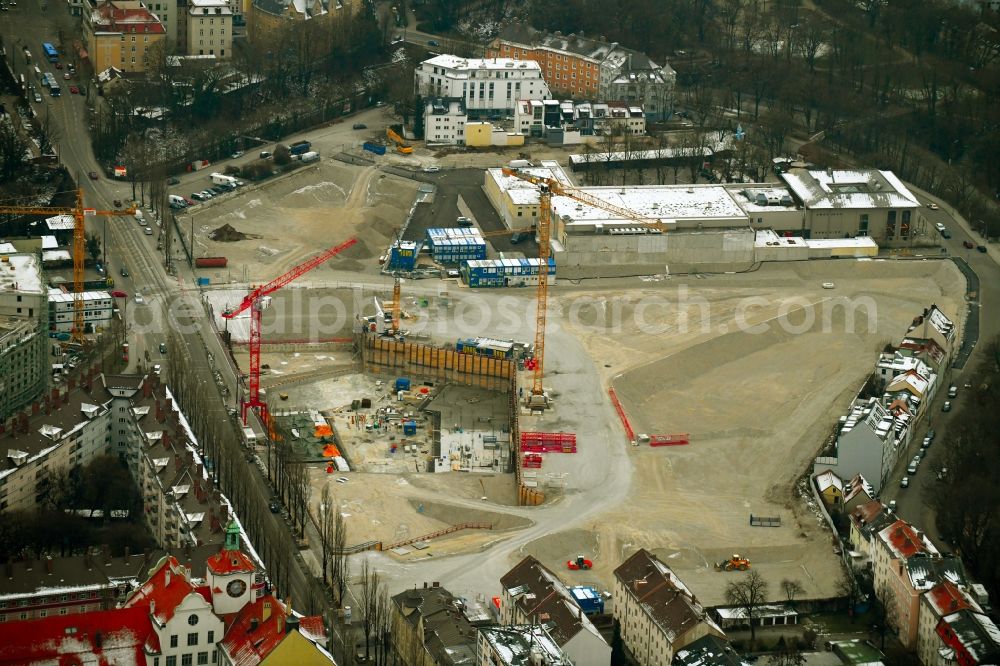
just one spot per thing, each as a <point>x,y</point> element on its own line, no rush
<point>403,255</point>
<point>453,246</point>
<point>505,272</point>
<point>403,384</point>
<point>409,427</point>
<point>588,599</point>
<point>202,281</point>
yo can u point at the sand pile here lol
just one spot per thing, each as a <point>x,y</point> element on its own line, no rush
<point>227,234</point>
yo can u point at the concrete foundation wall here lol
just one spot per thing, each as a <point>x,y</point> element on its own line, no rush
<point>674,252</point>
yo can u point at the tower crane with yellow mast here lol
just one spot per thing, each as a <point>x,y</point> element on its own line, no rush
<point>547,187</point>
<point>80,214</point>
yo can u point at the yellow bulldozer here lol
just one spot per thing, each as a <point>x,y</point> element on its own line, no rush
<point>736,562</point>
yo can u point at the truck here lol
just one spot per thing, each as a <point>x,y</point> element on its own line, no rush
<point>222,179</point>
<point>211,262</point>
<point>372,147</point>
<point>299,147</point>
<point>311,156</point>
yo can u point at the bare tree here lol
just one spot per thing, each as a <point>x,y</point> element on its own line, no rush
<point>328,506</point>
<point>748,595</point>
<point>340,571</point>
<point>371,586</point>
<point>791,588</point>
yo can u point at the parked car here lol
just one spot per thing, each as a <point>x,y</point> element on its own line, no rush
<point>981,248</point>
<point>58,65</point>
<point>118,294</point>
<point>359,126</point>
<point>66,76</point>
<point>163,347</point>
<point>208,194</point>
<point>138,298</point>
<point>933,206</point>
<point>968,244</point>
<point>829,285</point>
<point>946,407</point>
<point>926,444</point>
<point>198,196</point>
<point>216,190</point>
<point>912,469</point>
<point>953,391</point>
<point>156,369</point>
<point>93,175</point>
<point>38,98</point>
<point>264,154</point>
<point>432,42</point>
<point>124,272</point>
<point>463,221</point>
<point>431,169</point>
<point>238,153</point>
<point>74,90</point>
<point>942,474</point>
<point>148,231</point>
<point>173,180</point>
<point>274,507</point>
<point>904,482</point>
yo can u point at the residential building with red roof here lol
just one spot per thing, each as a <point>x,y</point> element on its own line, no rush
<point>657,613</point>
<point>174,619</point>
<point>122,34</point>
<point>972,636</point>
<point>944,599</point>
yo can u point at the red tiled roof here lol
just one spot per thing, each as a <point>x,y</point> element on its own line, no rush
<point>230,561</point>
<point>247,646</point>
<point>312,628</point>
<point>156,591</point>
<point>116,18</point>
<point>904,540</point>
<point>946,598</point>
<point>101,638</point>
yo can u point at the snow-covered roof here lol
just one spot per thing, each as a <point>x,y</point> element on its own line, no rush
<point>829,479</point>
<point>460,64</point>
<point>657,202</point>
<point>514,644</point>
<point>868,188</point>
<point>60,222</point>
<point>21,272</point>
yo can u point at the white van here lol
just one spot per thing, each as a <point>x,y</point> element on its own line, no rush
<point>222,179</point>
<point>311,156</point>
<point>940,227</point>
<point>139,216</point>
<point>519,164</point>
<point>176,200</point>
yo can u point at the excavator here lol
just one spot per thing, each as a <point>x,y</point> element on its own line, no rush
<point>401,146</point>
<point>733,563</point>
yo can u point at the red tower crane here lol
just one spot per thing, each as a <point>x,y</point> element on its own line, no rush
<point>257,301</point>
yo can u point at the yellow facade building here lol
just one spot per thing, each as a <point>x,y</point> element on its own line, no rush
<point>120,34</point>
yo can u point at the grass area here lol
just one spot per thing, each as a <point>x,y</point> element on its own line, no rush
<point>839,623</point>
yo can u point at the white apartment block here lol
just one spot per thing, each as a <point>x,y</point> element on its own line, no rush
<point>489,87</point>
<point>444,121</point>
<point>210,28</point>
<point>23,321</point>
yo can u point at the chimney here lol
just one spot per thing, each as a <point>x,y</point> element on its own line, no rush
<point>48,564</point>
<point>253,625</point>
<point>159,412</point>
<point>265,611</point>
<point>291,624</point>
<point>169,404</point>
<point>954,604</point>
<point>166,580</point>
<point>152,607</point>
<point>147,387</point>
<point>177,463</point>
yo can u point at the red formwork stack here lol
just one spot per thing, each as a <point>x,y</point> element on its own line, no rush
<point>532,461</point>
<point>669,440</point>
<point>548,442</point>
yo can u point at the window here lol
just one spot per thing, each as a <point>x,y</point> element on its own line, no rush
<point>173,640</point>
<point>171,661</point>
<point>202,657</point>
<point>863,226</point>
<point>211,637</point>
<point>193,638</point>
<point>186,660</point>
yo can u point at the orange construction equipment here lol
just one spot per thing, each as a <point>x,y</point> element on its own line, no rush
<point>79,214</point>
<point>401,145</point>
<point>733,563</point>
<point>257,301</point>
<point>397,307</point>
<point>547,187</point>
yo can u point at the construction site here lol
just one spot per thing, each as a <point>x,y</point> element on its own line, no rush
<point>657,411</point>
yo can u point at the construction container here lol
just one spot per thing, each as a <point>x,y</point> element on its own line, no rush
<point>410,428</point>
<point>402,384</point>
<point>203,281</point>
<point>403,255</point>
<point>505,272</point>
<point>588,599</point>
<point>455,245</point>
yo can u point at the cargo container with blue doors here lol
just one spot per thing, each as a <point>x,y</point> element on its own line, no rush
<point>455,245</point>
<point>588,599</point>
<point>505,272</point>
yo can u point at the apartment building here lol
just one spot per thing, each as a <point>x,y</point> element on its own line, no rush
<point>210,28</point>
<point>120,33</point>
<point>519,645</point>
<point>970,638</point>
<point>265,19</point>
<point>167,12</point>
<point>584,68</point>
<point>657,613</point>
<point>432,627</point>
<point>94,581</point>
<point>545,117</point>
<point>533,594</point>
<point>173,618</point>
<point>944,599</point>
<point>444,120</point>
<point>23,323</point>
<point>489,87</point>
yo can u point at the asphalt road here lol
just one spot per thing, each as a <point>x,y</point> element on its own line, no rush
<point>912,502</point>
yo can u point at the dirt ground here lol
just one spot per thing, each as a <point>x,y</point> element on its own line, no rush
<point>292,217</point>
<point>757,407</point>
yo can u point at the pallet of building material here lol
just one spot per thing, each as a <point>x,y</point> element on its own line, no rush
<point>669,440</point>
<point>765,521</point>
<point>548,442</point>
<point>532,461</point>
